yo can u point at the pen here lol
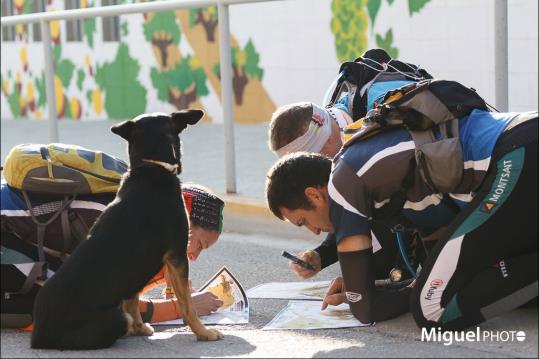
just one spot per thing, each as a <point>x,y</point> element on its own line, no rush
<point>296,260</point>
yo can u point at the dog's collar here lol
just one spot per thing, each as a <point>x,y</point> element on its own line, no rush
<point>169,167</point>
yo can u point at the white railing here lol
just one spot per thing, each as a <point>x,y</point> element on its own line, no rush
<point>500,56</point>
<point>224,44</point>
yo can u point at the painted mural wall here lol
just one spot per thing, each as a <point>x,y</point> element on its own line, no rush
<point>282,52</point>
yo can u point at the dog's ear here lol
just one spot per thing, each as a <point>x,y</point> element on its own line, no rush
<point>181,119</point>
<point>124,129</point>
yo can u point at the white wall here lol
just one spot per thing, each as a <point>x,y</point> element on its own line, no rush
<point>452,39</point>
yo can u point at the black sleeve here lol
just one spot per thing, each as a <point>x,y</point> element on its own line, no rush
<point>367,303</point>
<point>328,251</point>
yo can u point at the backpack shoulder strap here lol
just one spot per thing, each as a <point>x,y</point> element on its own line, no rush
<point>35,273</point>
<point>42,226</point>
<point>79,228</point>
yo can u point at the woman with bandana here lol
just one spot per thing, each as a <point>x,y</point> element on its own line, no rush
<point>206,221</point>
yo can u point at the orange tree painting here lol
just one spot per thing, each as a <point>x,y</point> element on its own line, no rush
<point>179,80</point>
<point>252,103</point>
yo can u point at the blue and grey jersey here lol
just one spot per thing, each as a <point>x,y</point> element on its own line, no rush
<point>367,174</point>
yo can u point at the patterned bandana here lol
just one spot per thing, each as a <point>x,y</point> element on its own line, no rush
<point>205,209</point>
<point>316,136</point>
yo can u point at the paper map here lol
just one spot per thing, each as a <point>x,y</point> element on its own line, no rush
<point>290,290</point>
<point>307,315</point>
<point>235,308</point>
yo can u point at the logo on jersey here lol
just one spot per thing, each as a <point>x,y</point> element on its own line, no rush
<point>319,120</point>
<point>435,284</point>
<point>503,269</point>
<point>487,206</point>
<point>502,183</point>
<point>353,297</point>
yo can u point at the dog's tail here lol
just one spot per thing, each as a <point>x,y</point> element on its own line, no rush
<point>98,331</point>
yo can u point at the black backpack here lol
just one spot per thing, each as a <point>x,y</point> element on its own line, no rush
<point>38,231</point>
<point>429,110</point>
<point>369,77</point>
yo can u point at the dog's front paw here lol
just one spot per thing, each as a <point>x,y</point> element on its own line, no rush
<point>143,329</point>
<point>147,329</point>
<point>210,335</point>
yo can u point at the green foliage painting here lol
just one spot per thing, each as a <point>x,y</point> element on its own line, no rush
<point>80,79</point>
<point>415,6</point>
<point>244,67</point>
<point>182,85</point>
<point>373,6</point>
<point>125,97</point>
<point>89,27</point>
<point>386,43</point>
<point>14,102</point>
<point>163,30</point>
<point>64,70</point>
<point>207,17</point>
<point>349,25</point>
<point>40,86</point>
<point>89,30</point>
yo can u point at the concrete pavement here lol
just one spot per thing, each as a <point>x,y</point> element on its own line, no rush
<point>250,248</point>
<point>255,259</point>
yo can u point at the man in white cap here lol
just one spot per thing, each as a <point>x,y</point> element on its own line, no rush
<point>304,126</point>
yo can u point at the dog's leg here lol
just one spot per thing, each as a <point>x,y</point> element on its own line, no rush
<point>179,272</point>
<point>137,327</point>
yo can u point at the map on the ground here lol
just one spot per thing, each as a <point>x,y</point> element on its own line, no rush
<point>235,308</point>
<point>290,290</point>
<point>304,314</point>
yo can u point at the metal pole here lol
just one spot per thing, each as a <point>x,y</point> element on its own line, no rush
<point>501,55</point>
<point>226,96</point>
<point>49,81</point>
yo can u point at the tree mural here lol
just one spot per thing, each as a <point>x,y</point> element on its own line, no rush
<point>118,80</point>
<point>88,25</point>
<point>252,103</point>
<point>162,31</point>
<point>27,98</point>
<point>182,85</point>
<point>39,83</point>
<point>207,18</point>
<point>179,80</point>
<point>112,88</point>
<point>64,70</point>
<point>15,101</point>
<point>244,67</point>
<point>350,25</point>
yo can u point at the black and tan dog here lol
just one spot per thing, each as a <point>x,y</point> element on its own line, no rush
<point>92,300</point>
